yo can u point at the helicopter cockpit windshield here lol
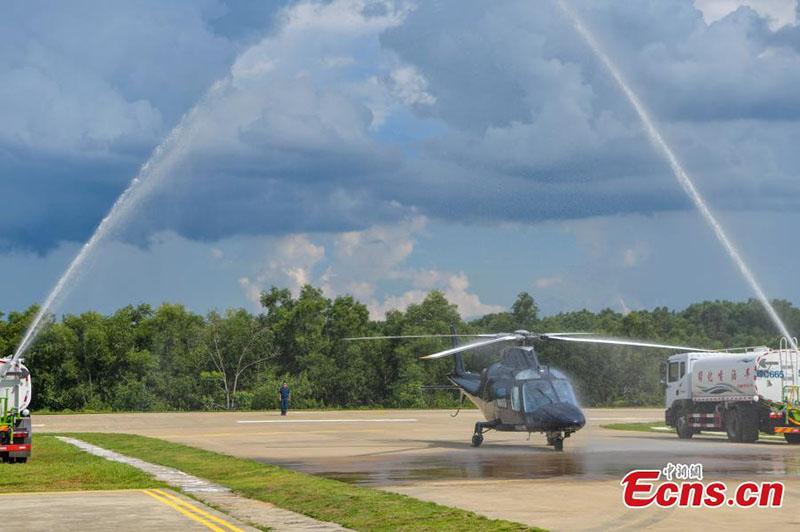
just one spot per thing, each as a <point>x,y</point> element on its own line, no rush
<point>539,393</point>
<point>564,391</point>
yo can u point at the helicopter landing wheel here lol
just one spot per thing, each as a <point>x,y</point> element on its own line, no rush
<point>480,428</point>
<point>556,439</point>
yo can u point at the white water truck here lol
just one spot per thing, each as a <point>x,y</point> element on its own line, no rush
<point>15,419</point>
<point>741,391</point>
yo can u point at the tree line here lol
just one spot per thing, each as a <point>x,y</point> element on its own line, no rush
<point>167,358</point>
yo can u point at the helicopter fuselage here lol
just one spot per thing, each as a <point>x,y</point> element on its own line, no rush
<point>518,394</point>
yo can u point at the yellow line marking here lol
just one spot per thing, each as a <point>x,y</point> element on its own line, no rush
<point>188,514</point>
<point>70,492</point>
<point>199,510</point>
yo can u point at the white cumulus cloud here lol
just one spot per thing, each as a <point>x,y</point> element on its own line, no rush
<point>290,263</point>
<point>548,282</point>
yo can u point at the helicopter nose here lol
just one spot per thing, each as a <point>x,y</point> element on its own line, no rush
<point>563,416</point>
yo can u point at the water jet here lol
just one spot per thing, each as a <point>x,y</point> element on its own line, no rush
<point>677,169</point>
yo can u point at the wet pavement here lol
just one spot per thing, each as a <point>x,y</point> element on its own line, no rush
<point>513,465</point>
<point>592,454</point>
<point>427,454</point>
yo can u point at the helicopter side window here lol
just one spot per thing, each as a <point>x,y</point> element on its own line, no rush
<point>537,394</point>
<point>515,398</point>
<point>500,394</point>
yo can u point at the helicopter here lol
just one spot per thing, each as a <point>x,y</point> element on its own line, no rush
<point>518,393</point>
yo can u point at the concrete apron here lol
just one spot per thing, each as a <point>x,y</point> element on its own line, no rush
<point>144,510</point>
<point>247,510</point>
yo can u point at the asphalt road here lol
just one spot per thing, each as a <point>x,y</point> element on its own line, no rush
<point>427,454</point>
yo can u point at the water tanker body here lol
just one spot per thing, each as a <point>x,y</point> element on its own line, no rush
<point>743,392</point>
<point>723,377</point>
<point>15,419</point>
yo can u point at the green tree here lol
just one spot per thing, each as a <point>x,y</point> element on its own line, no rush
<point>525,311</point>
<point>234,344</point>
<point>168,358</point>
<point>175,340</point>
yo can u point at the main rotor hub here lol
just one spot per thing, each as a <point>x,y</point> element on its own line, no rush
<point>520,357</point>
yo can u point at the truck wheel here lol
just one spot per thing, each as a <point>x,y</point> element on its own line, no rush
<point>733,426</point>
<point>682,428</point>
<point>749,425</point>
<point>792,439</point>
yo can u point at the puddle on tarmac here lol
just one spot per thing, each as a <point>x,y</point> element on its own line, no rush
<point>539,464</point>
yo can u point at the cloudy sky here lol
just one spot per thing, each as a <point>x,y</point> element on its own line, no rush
<point>386,148</point>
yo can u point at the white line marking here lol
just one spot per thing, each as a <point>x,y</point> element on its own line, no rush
<point>620,418</point>
<point>388,420</point>
<point>35,425</point>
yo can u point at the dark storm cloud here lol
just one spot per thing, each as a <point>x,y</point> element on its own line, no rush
<point>44,200</point>
<point>293,160</point>
<point>530,106</point>
<point>529,126</point>
<point>89,89</point>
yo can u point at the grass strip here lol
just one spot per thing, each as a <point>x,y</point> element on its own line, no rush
<point>57,466</point>
<point>654,427</point>
<point>352,506</point>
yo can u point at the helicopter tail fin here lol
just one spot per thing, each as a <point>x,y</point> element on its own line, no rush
<point>459,361</point>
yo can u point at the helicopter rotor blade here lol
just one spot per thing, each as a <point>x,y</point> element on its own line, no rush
<point>473,345</point>
<point>481,335</point>
<point>420,336</point>
<point>546,336</point>
<point>613,341</point>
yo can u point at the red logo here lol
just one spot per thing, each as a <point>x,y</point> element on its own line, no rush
<point>641,489</point>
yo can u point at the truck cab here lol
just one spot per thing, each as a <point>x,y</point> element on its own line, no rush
<point>677,380</point>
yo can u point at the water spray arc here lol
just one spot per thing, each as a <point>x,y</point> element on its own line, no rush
<point>157,166</point>
<point>680,174</point>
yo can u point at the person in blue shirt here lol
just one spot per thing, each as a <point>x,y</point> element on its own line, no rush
<point>285,396</point>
